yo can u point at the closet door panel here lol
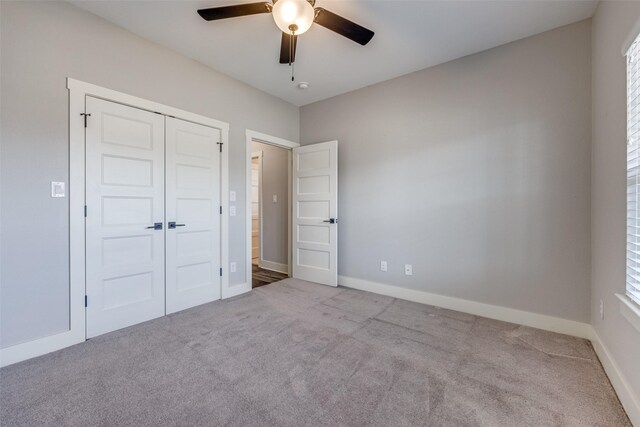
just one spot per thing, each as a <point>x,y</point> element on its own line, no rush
<point>193,214</point>
<point>125,198</point>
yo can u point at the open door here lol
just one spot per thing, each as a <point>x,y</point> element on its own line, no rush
<point>315,213</point>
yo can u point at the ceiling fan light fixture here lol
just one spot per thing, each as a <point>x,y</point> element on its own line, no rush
<point>293,14</point>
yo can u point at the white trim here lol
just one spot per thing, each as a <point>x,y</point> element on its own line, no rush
<point>630,401</point>
<point>225,288</point>
<point>631,36</point>
<point>520,317</point>
<point>144,104</point>
<point>274,266</point>
<point>38,347</point>
<point>629,310</point>
<point>290,212</point>
<point>251,136</point>
<point>78,91</point>
<point>271,140</point>
<point>258,155</point>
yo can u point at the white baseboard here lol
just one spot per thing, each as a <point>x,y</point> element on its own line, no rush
<point>41,346</point>
<point>274,266</point>
<point>38,347</point>
<point>526,318</point>
<point>630,401</point>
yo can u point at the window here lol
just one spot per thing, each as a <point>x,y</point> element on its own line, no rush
<point>633,171</point>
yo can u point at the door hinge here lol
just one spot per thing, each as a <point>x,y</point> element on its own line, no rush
<point>85,211</point>
<point>85,118</point>
<point>220,144</point>
<point>220,271</point>
<point>220,210</point>
<point>86,301</point>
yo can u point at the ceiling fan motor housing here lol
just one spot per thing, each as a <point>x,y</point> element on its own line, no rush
<point>293,15</point>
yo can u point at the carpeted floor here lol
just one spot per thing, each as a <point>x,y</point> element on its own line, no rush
<point>297,354</point>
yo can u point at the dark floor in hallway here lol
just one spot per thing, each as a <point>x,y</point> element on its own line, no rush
<point>261,276</point>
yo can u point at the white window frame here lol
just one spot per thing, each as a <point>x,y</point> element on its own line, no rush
<point>632,285</point>
<point>630,301</point>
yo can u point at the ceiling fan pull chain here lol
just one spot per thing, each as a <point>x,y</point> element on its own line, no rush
<point>291,41</point>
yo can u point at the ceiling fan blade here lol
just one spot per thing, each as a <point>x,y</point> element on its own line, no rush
<point>287,39</point>
<point>342,26</point>
<point>225,12</point>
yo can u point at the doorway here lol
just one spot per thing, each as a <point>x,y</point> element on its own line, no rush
<point>312,207</point>
<point>267,272</point>
<point>270,212</point>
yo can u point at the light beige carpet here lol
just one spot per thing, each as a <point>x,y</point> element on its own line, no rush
<point>297,354</point>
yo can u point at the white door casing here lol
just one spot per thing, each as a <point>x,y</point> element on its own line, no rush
<point>192,214</point>
<point>256,205</point>
<point>252,136</point>
<point>124,198</point>
<point>315,213</point>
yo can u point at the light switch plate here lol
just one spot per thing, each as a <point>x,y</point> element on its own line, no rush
<point>232,211</point>
<point>275,198</point>
<point>232,196</point>
<point>408,270</point>
<point>57,189</point>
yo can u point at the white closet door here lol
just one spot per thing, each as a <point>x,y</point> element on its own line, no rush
<point>125,198</point>
<point>193,204</point>
<point>315,201</point>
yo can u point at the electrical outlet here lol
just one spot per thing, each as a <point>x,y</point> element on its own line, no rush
<point>232,196</point>
<point>601,310</point>
<point>232,211</point>
<point>408,270</point>
<point>233,267</point>
<point>275,198</point>
<point>383,265</point>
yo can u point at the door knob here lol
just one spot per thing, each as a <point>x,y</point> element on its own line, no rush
<point>331,220</point>
<point>173,225</point>
<point>156,226</point>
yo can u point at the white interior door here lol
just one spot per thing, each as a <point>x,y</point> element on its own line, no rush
<point>315,211</point>
<point>125,216</point>
<point>193,214</point>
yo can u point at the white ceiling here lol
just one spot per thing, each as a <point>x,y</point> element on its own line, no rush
<point>409,36</point>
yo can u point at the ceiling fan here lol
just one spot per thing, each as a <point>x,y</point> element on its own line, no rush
<point>293,17</point>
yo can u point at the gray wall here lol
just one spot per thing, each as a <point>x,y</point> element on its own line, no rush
<point>476,172</point>
<point>42,44</point>
<point>612,23</point>
<point>275,180</point>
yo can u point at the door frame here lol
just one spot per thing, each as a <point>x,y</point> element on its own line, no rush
<point>78,91</point>
<point>252,136</point>
<point>257,155</point>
